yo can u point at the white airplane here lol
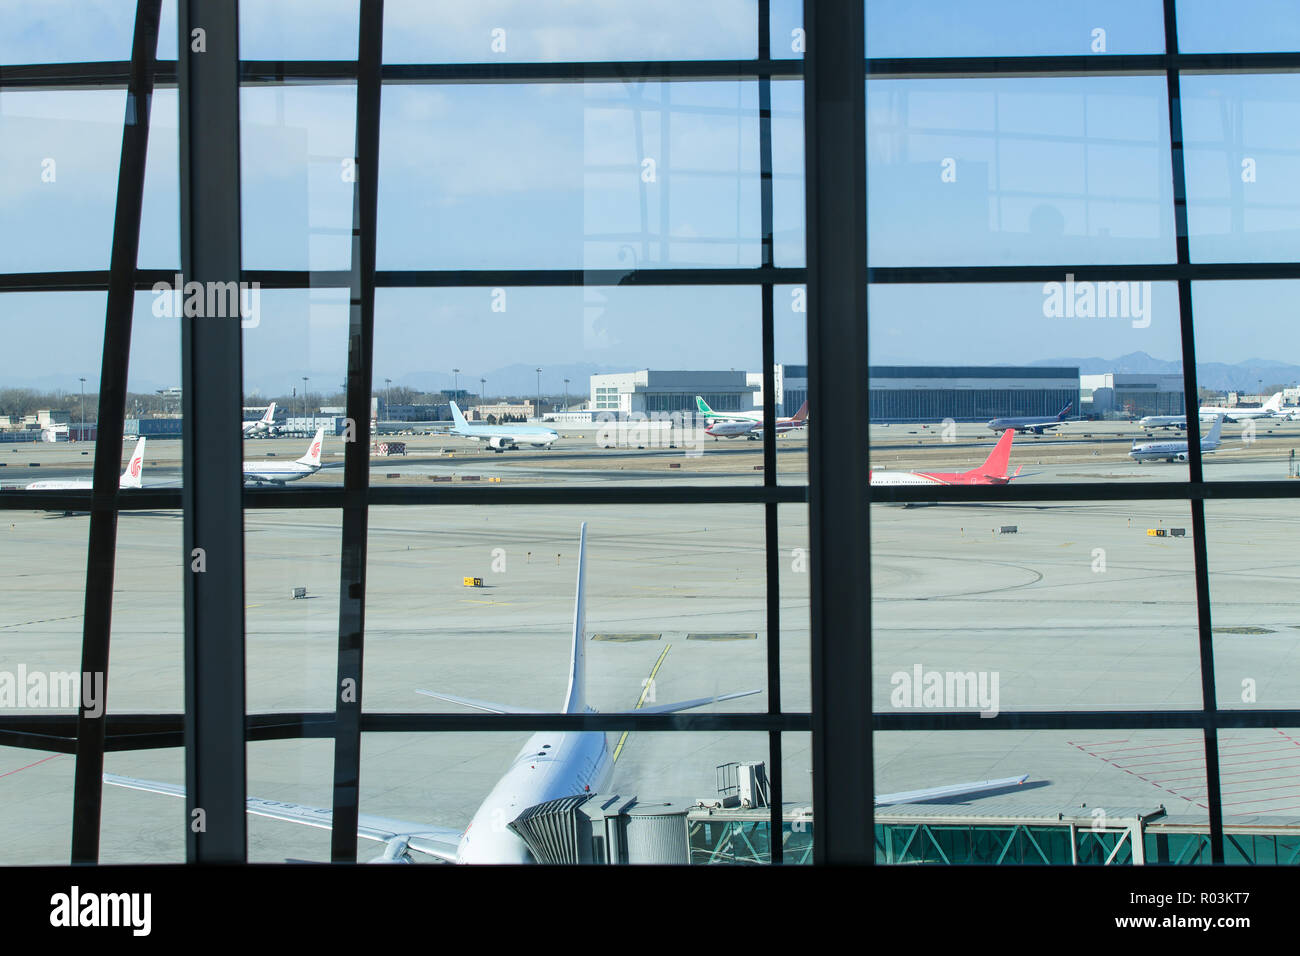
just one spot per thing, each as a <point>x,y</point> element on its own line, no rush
<point>551,765</point>
<point>1162,421</point>
<point>501,437</point>
<point>263,425</point>
<point>1175,450</point>
<point>278,472</point>
<point>754,428</point>
<point>130,478</point>
<point>1269,409</point>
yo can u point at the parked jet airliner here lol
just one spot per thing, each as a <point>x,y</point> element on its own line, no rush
<point>261,426</point>
<point>992,472</point>
<point>130,478</point>
<point>754,429</point>
<point>501,437</point>
<point>1035,425</point>
<point>1269,409</point>
<point>1175,450</point>
<point>278,472</point>
<point>551,765</point>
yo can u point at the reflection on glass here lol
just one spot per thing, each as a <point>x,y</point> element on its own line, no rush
<point>1242,154</point>
<point>595,175</point>
<point>1005,171</point>
<point>507,31</point>
<point>59,157</point>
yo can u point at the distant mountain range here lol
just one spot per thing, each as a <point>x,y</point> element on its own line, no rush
<point>1244,376</point>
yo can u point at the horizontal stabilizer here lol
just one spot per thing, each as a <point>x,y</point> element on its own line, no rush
<point>481,704</point>
<point>952,790</point>
<point>686,704</point>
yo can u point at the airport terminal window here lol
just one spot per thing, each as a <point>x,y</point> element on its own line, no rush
<point>558,197</point>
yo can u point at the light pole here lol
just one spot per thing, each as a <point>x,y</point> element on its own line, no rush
<point>304,398</point>
<point>388,398</point>
<point>566,394</point>
<point>539,394</point>
<point>81,430</point>
<point>455,381</point>
<point>482,388</point>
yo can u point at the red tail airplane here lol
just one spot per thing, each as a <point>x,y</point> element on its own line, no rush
<point>992,472</point>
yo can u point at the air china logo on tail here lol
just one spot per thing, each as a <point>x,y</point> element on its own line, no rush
<point>135,468</point>
<point>315,449</point>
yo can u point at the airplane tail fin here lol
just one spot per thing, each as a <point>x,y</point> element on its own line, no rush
<point>999,458</point>
<point>575,701</point>
<point>458,416</point>
<point>131,477</point>
<point>703,406</point>
<point>802,414</point>
<point>269,417</point>
<point>312,458</point>
<point>1213,437</point>
<point>1060,416</point>
<point>1274,404</point>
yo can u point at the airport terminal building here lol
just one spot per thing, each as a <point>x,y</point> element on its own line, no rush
<point>1131,394</point>
<point>917,393</point>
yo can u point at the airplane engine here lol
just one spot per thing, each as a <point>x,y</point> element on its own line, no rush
<point>1181,456</point>
<point>394,852</point>
<point>499,444</point>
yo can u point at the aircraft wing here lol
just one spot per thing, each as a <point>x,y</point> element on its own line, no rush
<point>488,706</point>
<point>440,842</point>
<point>687,704</point>
<point>952,790</point>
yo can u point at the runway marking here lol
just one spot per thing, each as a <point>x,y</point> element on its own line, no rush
<point>43,620</point>
<point>1255,764</point>
<point>494,603</point>
<point>42,760</point>
<point>645,689</point>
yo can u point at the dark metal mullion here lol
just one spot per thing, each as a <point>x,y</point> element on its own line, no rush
<point>771,551</point>
<point>356,467</point>
<point>838,487</point>
<point>211,376</point>
<point>97,623</point>
<point>1191,399</point>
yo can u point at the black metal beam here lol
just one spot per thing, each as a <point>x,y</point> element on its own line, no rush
<point>838,480</point>
<point>356,469</point>
<point>87,788</point>
<point>211,375</point>
<point>1191,398</point>
<point>273,72</point>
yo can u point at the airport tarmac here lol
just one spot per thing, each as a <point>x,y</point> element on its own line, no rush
<point>1079,608</point>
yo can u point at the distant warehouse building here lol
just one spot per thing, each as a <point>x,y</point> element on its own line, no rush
<point>919,393</point>
<point>1131,394</point>
<point>651,391</point>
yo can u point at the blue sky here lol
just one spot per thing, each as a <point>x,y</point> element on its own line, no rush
<point>608,175</point>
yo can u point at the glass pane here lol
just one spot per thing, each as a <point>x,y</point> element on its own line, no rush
<point>1242,136</point>
<point>1089,359</point>
<point>1246,26</point>
<point>901,28</point>
<point>1018,171</point>
<point>471,802</point>
<point>297,176</point>
<point>552,176</point>
<point>617,372</point>
<point>479,603</point>
<point>1069,606</point>
<point>1237,336</point>
<point>1116,781</point>
<point>490,31</point>
<point>65,31</point>
<point>298,29</point>
<point>59,156</point>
